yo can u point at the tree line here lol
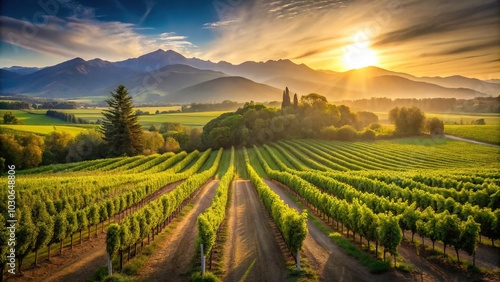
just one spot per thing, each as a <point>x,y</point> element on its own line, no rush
<point>311,116</point>
<point>67,117</point>
<point>476,105</point>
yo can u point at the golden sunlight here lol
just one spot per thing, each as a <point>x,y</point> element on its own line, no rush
<point>359,54</point>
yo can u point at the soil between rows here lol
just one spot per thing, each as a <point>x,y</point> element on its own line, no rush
<point>328,259</point>
<point>172,261</point>
<point>252,252</point>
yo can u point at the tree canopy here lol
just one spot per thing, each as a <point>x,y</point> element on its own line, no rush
<point>122,132</point>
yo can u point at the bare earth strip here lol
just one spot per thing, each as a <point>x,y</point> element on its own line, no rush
<point>80,263</point>
<point>470,140</point>
<point>330,262</point>
<point>252,252</point>
<point>172,261</point>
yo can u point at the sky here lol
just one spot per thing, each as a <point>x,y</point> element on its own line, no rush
<point>420,37</point>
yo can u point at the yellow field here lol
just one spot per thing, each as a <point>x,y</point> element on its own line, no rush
<point>45,129</point>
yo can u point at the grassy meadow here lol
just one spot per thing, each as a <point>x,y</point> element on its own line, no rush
<point>37,122</point>
<point>453,118</point>
<point>484,133</point>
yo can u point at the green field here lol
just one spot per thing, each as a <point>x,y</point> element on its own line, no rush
<point>34,118</point>
<point>198,119</point>
<point>186,119</point>
<point>36,121</point>
<point>45,129</point>
<point>453,118</point>
<point>484,133</point>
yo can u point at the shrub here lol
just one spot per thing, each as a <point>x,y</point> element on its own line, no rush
<point>434,126</point>
<point>347,133</point>
<point>330,133</point>
<point>366,135</point>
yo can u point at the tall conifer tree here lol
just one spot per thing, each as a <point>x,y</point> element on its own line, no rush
<point>121,131</point>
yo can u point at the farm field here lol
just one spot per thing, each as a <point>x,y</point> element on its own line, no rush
<point>453,118</point>
<point>40,123</point>
<point>483,133</point>
<point>46,129</point>
<point>422,177</point>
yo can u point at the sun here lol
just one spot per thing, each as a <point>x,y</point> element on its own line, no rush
<point>359,55</point>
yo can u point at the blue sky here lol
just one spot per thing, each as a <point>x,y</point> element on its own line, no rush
<point>421,37</point>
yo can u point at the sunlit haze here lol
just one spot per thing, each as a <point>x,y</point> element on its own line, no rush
<point>424,38</point>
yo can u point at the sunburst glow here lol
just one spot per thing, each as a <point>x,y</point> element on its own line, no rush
<point>359,55</point>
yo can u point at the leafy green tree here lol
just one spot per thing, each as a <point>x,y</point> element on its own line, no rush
<point>408,121</point>
<point>26,234</point>
<point>448,229</point>
<point>369,225</point>
<point>9,118</point>
<point>366,118</point>
<point>409,219</point>
<point>56,147</point>
<point>431,226</point>
<point>81,218</point>
<point>286,99</point>
<point>10,150</point>
<point>390,234</point>
<point>4,248</point>
<point>125,238</point>
<point>153,142</point>
<point>93,217</point>
<point>434,126</point>
<point>135,232</point>
<point>122,132</point>
<point>72,224</point>
<point>110,208</point>
<point>60,228</point>
<point>87,145</point>
<point>468,238</point>
<point>112,244</point>
<point>171,145</point>
<point>103,215</point>
<point>44,225</point>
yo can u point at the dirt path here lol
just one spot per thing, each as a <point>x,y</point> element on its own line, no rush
<point>173,259</point>
<point>80,263</point>
<point>252,253</point>
<point>328,259</point>
<point>469,140</point>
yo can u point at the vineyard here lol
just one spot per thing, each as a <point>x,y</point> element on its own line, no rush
<point>355,206</point>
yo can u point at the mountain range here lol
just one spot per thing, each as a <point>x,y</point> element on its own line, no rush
<point>167,76</point>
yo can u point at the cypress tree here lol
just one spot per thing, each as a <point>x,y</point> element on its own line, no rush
<point>295,101</point>
<point>286,99</point>
<point>121,130</point>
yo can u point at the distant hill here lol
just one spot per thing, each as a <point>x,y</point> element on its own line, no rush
<point>169,79</point>
<point>237,89</point>
<point>458,81</point>
<point>153,61</point>
<point>392,86</point>
<point>22,70</point>
<point>167,75</point>
<point>73,78</point>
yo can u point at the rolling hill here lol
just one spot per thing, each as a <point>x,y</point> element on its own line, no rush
<point>169,76</point>
<point>237,89</point>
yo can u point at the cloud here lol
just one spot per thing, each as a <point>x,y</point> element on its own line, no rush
<point>466,49</point>
<point>87,38</point>
<point>401,32</point>
<point>451,17</point>
<point>219,24</point>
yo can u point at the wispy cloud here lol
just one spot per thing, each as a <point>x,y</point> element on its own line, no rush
<point>317,33</point>
<point>220,24</point>
<point>87,38</point>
